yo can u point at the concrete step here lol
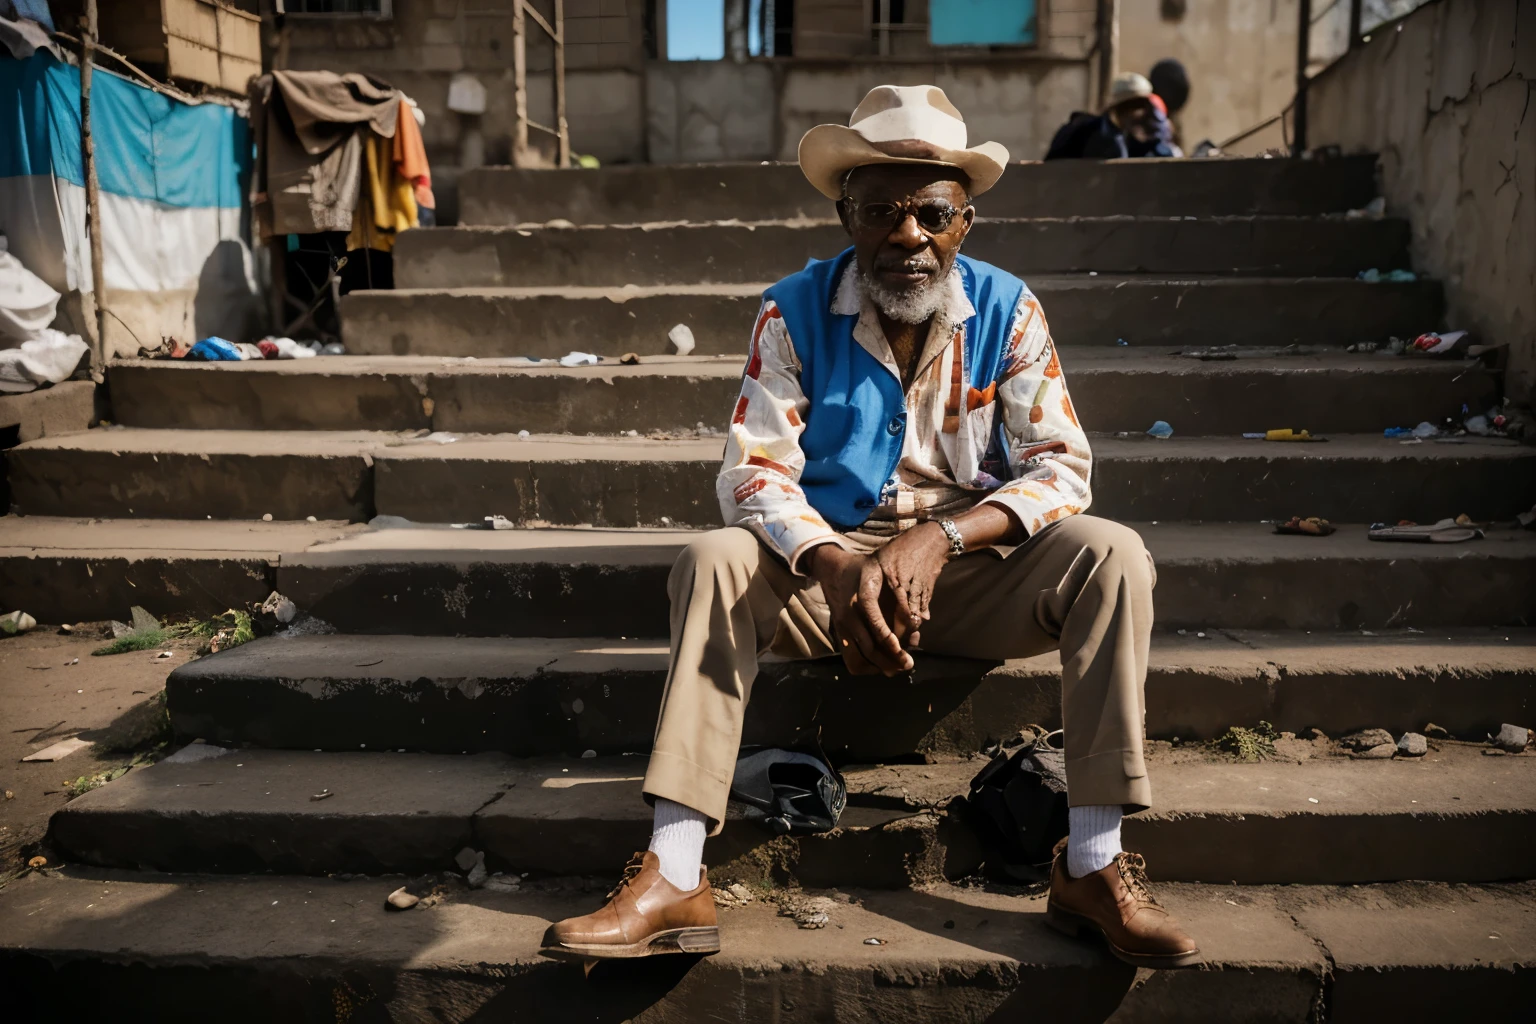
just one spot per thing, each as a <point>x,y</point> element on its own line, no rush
<point>592,582</point>
<point>1082,310</point>
<point>624,482</point>
<point>1073,188</point>
<point>732,252</point>
<point>611,582</point>
<point>66,570</point>
<point>1451,816</point>
<point>1113,389</point>
<point>82,945</point>
<point>566,696</point>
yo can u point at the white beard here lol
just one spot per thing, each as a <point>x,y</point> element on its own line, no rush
<point>908,305</point>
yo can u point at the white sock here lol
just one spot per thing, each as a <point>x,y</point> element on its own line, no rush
<point>677,840</point>
<point>1093,838</point>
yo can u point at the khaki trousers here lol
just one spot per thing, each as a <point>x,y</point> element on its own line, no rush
<point>1083,585</point>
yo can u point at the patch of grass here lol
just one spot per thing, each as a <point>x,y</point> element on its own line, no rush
<point>147,640</point>
<point>222,632</point>
<point>1256,744</point>
<point>85,783</point>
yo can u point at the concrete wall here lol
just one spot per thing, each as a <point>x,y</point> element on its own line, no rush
<point>427,42</point>
<point>758,110</point>
<point>1446,98</point>
<point>1241,57</point>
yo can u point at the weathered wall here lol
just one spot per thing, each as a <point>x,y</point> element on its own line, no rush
<point>1241,57</point>
<point>623,108</point>
<point>427,42</point>
<point>705,111</point>
<point>1446,98</point>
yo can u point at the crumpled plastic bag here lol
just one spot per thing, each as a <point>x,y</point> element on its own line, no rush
<point>50,358</point>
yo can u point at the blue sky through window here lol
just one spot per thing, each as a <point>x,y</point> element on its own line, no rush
<point>695,29</point>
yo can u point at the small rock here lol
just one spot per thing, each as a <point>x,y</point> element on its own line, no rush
<point>1412,744</point>
<point>741,892</point>
<point>874,942</point>
<point>401,900</point>
<point>500,883</point>
<point>38,862</point>
<point>466,859</point>
<point>1365,739</point>
<point>9,795</point>
<point>812,921</point>
<point>589,753</point>
<point>266,517</point>
<point>1493,752</point>
<point>477,874</point>
<point>1511,738</point>
<point>1384,750</point>
<point>162,654</point>
<point>1436,732</point>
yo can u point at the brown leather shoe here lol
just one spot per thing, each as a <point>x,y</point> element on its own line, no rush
<point>645,915</point>
<point>1116,903</point>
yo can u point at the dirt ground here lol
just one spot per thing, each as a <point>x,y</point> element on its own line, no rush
<point>52,688</point>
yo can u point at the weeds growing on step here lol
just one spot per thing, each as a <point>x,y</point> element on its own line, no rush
<point>1256,744</point>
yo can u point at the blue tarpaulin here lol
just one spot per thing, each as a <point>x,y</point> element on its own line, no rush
<point>148,146</point>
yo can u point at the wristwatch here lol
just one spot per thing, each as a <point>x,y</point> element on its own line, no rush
<point>956,542</point>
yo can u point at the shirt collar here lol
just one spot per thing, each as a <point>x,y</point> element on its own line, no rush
<point>956,309</point>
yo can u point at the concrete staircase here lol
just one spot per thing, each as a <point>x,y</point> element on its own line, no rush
<point>498,689</point>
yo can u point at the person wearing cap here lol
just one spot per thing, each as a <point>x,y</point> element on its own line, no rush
<point>1133,123</point>
<point>905,470</point>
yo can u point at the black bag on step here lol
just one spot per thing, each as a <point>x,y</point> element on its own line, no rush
<point>789,793</point>
<point>1019,801</point>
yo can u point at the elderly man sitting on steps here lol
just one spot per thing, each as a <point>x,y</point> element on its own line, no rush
<point>905,470</point>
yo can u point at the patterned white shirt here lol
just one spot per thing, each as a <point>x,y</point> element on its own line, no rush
<point>949,427</point>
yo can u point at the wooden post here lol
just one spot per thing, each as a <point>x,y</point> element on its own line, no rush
<point>520,84</point>
<point>92,193</point>
<point>560,124</point>
<point>1303,57</point>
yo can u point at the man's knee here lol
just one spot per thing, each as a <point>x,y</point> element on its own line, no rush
<point>714,552</point>
<point>1114,547</point>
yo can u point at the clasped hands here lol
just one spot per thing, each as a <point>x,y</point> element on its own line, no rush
<point>879,602</point>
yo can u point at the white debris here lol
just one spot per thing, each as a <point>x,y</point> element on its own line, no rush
<point>681,338</point>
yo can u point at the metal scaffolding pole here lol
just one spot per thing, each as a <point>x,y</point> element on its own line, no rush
<point>522,11</point>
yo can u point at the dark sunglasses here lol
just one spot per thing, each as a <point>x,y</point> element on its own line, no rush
<point>933,215</point>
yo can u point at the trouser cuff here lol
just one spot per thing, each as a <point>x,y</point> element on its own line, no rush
<point>673,777</point>
<point>1101,779</point>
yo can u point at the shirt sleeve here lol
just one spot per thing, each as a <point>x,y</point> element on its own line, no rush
<point>1048,454</point>
<point>759,484</point>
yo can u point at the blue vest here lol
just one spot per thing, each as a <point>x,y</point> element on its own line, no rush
<point>858,413</point>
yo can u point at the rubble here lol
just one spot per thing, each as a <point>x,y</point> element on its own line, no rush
<point>1512,739</point>
<point>1365,739</point>
<point>1412,744</point>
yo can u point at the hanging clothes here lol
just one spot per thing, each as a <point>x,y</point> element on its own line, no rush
<point>411,157</point>
<point>388,204</point>
<point>313,127</point>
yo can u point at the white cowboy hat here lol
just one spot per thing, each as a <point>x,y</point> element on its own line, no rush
<point>898,124</point>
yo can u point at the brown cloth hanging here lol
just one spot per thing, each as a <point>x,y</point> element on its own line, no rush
<point>312,128</point>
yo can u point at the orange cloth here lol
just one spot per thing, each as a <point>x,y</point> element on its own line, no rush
<point>388,202</point>
<point>411,157</point>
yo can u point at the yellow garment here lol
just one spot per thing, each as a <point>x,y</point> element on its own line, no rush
<point>387,205</point>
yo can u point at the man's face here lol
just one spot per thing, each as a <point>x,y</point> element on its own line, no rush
<point>1137,118</point>
<point>907,222</point>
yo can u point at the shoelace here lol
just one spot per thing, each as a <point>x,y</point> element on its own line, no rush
<point>634,867</point>
<point>1133,871</point>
